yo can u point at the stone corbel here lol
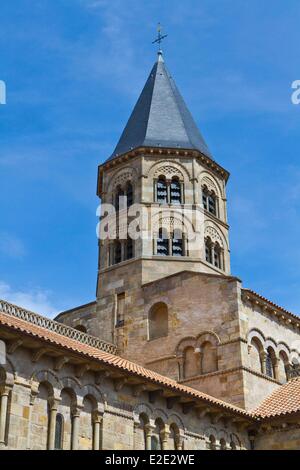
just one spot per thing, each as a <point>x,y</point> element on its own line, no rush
<point>100,376</point>
<point>60,362</point>
<point>138,389</point>
<point>81,369</point>
<point>13,345</point>
<point>36,355</point>
<point>119,383</point>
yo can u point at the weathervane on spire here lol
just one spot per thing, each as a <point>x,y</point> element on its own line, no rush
<point>159,38</point>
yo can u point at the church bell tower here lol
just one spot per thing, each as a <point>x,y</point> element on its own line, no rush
<point>163,179</point>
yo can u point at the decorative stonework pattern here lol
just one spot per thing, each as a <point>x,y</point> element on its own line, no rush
<point>121,178</point>
<point>214,235</point>
<point>168,171</point>
<point>56,327</point>
<point>210,184</point>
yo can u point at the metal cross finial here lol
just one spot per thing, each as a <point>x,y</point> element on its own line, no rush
<point>160,37</point>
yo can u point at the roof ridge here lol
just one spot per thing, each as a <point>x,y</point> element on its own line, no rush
<point>112,360</point>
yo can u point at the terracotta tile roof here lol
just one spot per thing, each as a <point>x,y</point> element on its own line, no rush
<point>112,360</point>
<point>284,400</point>
<point>264,299</point>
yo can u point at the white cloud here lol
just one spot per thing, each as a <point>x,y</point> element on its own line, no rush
<point>36,299</point>
<point>11,246</point>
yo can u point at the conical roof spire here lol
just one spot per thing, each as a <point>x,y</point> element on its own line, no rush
<point>160,117</point>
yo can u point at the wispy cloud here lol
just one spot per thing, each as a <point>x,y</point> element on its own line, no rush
<point>37,300</point>
<point>11,246</point>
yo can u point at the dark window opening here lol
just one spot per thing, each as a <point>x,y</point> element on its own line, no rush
<point>175,192</point>
<point>162,192</point>
<point>59,424</point>
<point>162,243</point>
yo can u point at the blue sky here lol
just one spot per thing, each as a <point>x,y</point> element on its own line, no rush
<point>73,71</point>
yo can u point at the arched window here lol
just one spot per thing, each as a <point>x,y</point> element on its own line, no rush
<point>162,243</point>
<point>283,366</point>
<point>141,433</point>
<point>81,328</point>
<point>129,249</point>
<point>269,363</point>
<point>158,321</point>
<point>217,256</point>
<point>214,253</point>
<point>208,250</point>
<point>209,200</point>
<point>117,252</point>
<point>255,356</point>
<point>161,191</point>
<point>59,430</point>
<point>177,243</point>
<point>119,194</point>
<point>190,362</point>
<point>129,194</point>
<point>157,434</point>
<point>155,443</point>
<point>175,191</point>
<point>174,436</point>
<point>209,358</point>
<point>212,442</point>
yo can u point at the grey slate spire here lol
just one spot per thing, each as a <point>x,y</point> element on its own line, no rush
<point>160,117</point>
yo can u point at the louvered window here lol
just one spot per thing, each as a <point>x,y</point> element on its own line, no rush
<point>175,192</point>
<point>177,244</point>
<point>162,192</point>
<point>162,244</point>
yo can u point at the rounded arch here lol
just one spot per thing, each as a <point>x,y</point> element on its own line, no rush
<point>158,321</point>
<point>215,234</point>
<point>254,332</point>
<point>73,387</point>
<point>172,220</point>
<point>95,395</point>
<point>282,346</point>
<point>142,409</point>
<point>159,414</point>
<point>184,343</point>
<point>120,177</point>
<point>205,336</point>
<point>271,343</point>
<point>176,419</point>
<point>46,376</point>
<point>206,179</point>
<point>168,168</point>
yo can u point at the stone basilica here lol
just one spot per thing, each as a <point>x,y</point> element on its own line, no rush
<point>174,353</point>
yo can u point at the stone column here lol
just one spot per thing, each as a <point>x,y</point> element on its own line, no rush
<point>180,368</point>
<point>53,405</point>
<point>182,199</point>
<point>148,431</point>
<point>136,425</point>
<point>4,394</point>
<point>179,442</point>
<point>263,357</point>
<point>168,183</point>
<point>276,368</point>
<point>97,420</point>
<point>164,436</point>
<point>75,429</point>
